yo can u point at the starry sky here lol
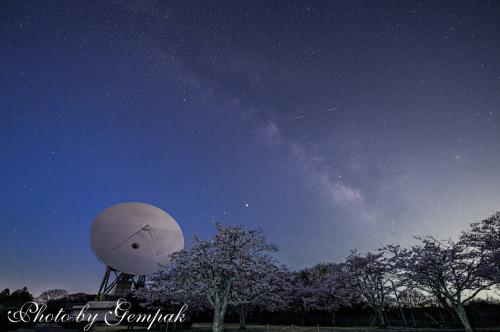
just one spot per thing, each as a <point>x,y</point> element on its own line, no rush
<point>332,125</point>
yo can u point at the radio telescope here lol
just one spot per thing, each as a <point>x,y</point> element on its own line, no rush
<point>133,240</point>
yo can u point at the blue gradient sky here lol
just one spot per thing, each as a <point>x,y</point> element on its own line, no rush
<point>331,125</point>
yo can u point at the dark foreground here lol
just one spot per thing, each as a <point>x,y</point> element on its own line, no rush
<point>206,327</point>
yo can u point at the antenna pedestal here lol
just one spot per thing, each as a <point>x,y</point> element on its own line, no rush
<point>118,284</point>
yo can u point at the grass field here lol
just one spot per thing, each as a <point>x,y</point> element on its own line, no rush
<point>206,327</point>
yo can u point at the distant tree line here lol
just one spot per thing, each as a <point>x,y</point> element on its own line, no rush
<point>53,298</point>
<point>236,269</point>
<point>12,301</point>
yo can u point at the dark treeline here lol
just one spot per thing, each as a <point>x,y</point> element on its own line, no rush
<point>54,299</point>
<point>12,301</point>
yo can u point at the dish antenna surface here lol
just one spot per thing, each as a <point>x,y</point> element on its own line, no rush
<point>133,239</point>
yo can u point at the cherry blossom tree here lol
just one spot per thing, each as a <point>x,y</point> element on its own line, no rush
<point>484,238</point>
<point>327,287</point>
<point>372,279</point>
<point>414,298</point>
<point>266,286</point>
<point>451,270</point>
<point>163,291</point>
<point>211,269</point>
<point>52,294</point>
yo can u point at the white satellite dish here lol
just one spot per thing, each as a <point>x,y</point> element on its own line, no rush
<point>133,239</point>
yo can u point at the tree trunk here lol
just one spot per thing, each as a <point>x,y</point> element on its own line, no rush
<point>381,319</point>
<point>413,319</point>
<point>242,311</point>
<point>334,318</point>
<point>402,313</point>
<point>451,311</point>
<point>460,311</point>
<point>218,322</point>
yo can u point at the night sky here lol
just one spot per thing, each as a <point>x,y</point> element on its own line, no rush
<point>331,125</point>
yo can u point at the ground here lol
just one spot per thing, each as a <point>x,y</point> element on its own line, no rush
<point>207,327</point>
<point>202,327</point>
